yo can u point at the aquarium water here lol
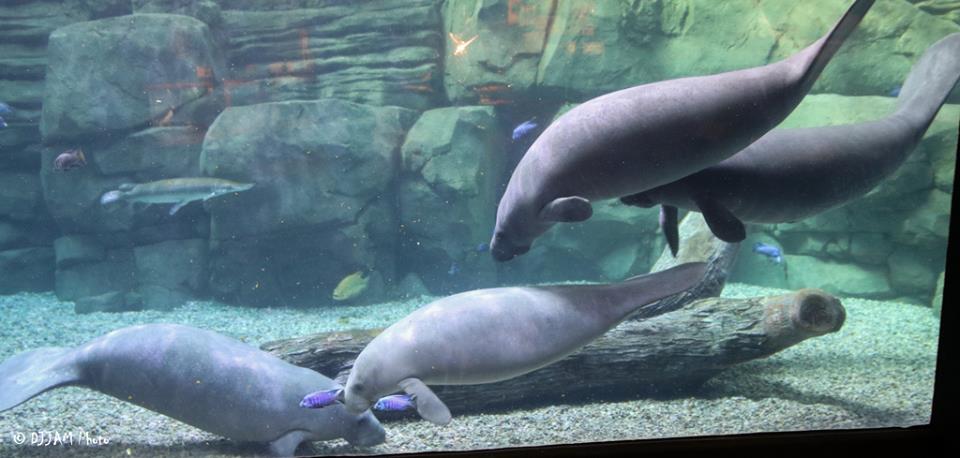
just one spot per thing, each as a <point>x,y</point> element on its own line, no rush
<point>325,227</point>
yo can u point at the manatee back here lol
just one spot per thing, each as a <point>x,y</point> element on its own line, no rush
<point>212,382</point>
<point>479,336</point>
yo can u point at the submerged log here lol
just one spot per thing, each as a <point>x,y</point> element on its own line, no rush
<point>666,354</point>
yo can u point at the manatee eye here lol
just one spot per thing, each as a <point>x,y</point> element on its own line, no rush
<point>357,388</point>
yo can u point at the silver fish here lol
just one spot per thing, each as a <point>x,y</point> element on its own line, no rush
<point>177,191</point>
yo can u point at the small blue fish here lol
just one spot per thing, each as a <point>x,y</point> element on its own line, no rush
<point>395,403</point>
<point>2,123</point>
<point>483,248</point>
<point>5,109</point>
<point>454,269</point>
<point>524,129</point>
<point>769,251</point>
<point>320,399</point>
<point>895,92</point>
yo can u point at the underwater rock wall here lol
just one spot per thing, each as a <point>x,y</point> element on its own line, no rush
<point>154,79</point>
<point>452,164</point>
<point>947,9</point>
<point>580,49</point>
<point>26,228</point>
<point>379,138</point>
<point>323,205</point>
<point>385,52</point>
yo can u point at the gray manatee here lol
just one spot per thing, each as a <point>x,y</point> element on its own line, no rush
<point>488,335</point>
<point>791,174</point>
<point>642,137</point>
<point>202,378</point>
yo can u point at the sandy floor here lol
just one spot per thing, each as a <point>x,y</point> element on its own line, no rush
<point>877,371</point>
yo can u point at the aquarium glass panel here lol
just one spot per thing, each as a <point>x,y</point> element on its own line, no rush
<point>332,227</point>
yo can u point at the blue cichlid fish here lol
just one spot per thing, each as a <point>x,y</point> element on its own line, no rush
<point>5,109</point>
<point>177,191</point>
<point>326,398</point>
<point>482,248</point>
<point>769,251</point>
<point>395,403</point>
<point>524,129</point>
<point>2,123</point>
<point>320,399</point>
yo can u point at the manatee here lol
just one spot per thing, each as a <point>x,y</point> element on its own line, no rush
<point>638,138</point>
<point>489,335</point>
<point>202,378</point>
<point>791,174</point>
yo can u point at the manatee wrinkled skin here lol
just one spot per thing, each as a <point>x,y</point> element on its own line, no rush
<point>791,174</point>
<point>202,378</point>
<point>489,335</point>
<point>635,139</point>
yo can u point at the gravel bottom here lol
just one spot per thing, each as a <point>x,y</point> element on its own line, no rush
<point>877,371</point>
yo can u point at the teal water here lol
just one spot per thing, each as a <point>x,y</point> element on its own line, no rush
<point>378,138</point>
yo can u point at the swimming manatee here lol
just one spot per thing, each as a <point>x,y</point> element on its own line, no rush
<point>202,378</point>
<point>791,174</point>
<point>489,335</point>
<point>642,137</point>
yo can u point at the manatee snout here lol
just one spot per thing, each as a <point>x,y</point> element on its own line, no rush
<point>369,431</point>
<point>503,249</point>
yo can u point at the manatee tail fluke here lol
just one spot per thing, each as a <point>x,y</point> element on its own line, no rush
<point>30,373</point>
<point>825,48</point>
<point>929,83</point>
<point>110,196</point>
<point>644,290</point>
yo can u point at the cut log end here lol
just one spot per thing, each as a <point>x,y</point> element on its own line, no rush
<point>794,317</point>
<point>817,312</point>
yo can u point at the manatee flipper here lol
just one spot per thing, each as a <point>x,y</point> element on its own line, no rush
<point>30,373</point>
<point>725,225</point>
<point>671,227</point>
<point>429,406</point>
<point>286,445</point>
<point>176,207</point>
<point>567,210</point>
